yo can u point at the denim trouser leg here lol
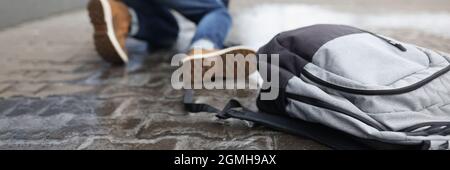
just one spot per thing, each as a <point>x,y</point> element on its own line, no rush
<point>211,16</point>
<point>157,26</point>
<point>214,27</point>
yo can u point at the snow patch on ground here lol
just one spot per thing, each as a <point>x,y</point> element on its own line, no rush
<point>256,26</point>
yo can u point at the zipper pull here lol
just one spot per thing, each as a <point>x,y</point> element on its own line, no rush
<point>398,45</point>
<point>395,44</point>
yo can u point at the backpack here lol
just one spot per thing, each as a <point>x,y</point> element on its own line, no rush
<point>348,88</point>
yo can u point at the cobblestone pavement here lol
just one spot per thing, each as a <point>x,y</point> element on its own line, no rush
<point>55,93</point>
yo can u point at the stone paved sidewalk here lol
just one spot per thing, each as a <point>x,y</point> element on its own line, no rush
<point>55,93</point>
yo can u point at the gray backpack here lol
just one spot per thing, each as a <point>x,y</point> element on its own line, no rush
<point>352,89</point>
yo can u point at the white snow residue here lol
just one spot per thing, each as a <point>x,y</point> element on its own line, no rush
<point>256,26</point>
<point>433,23</point>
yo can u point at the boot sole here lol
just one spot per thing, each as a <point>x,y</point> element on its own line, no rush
<point>106,41</point>
<point>229,68</point>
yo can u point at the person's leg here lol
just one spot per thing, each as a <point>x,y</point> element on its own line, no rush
<point>213,24</point>
<point>156,24</point>
<point>211,17</point>
<point>226,2</point>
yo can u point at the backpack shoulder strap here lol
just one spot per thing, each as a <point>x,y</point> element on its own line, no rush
<point>319,133</point>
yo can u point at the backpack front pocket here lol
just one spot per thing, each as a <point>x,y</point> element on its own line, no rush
<point>365,64</point>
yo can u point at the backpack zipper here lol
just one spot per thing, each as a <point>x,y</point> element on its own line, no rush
<point>393,43</point>
<point>401,90</point>
<point>325,105</point>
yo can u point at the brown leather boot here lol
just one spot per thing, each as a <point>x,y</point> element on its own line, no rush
<point>228,68</point>
<point>111,20</point>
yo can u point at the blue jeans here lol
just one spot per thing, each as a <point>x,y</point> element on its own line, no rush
<point>160,29</point>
